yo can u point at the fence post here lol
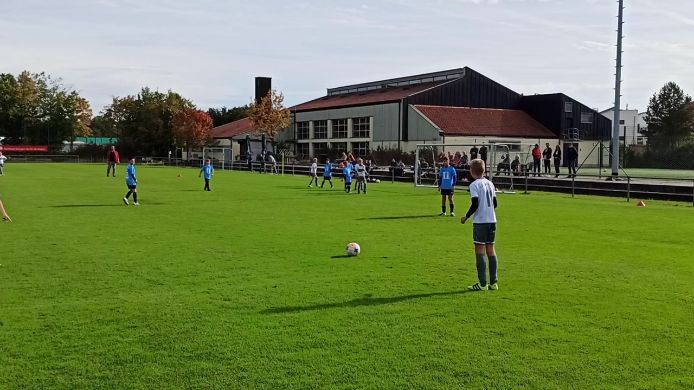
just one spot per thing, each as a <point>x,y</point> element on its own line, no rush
<point>526,181</point>
<point>628,189</point>
<point>573,185</point>
<point>292,169</point>
<point>392,175</point>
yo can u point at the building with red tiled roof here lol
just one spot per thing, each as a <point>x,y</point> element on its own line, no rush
<point>484,122</point>
<point>458,105</point>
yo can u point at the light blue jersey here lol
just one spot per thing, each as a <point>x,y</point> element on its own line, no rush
<point>207,171</point>
<point>447,178</point>
<point>130,176</point>
<point>347,172</point>
<point>328,170</point>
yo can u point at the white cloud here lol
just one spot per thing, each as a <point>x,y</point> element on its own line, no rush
<point>211,50</point>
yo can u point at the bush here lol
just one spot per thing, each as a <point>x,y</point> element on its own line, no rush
<point>677,158</point>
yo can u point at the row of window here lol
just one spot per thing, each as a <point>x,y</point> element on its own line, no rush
<point>322,148</point>
<point>361,128</point>
<point>586,117</point>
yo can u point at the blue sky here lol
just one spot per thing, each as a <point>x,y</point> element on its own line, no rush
<point>210,50</point>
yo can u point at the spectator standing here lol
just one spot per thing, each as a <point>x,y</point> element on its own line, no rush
<point>473,152</point>
<point>572,156</point>
<point>537,156</point>
<point>547,158</point>
<point>249,160</point>
<point>557,159</point>
<point>483,154</point>
<point>112,159</point>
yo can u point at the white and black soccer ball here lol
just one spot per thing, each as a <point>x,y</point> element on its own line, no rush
<point>353,249</point>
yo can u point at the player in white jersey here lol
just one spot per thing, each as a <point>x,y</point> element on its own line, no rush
<point>360,170</point>
<point>481,210</point>
<point>313,173</point>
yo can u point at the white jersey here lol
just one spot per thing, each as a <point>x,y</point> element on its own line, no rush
<point>484,191</point>
<point>361,170</point>
<point>2,159</point>
<point>314,169</point>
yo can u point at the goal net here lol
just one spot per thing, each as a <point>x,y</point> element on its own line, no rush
<point>429,159</point>
<point>222,158</point>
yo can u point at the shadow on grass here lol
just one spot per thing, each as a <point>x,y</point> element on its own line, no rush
<point>341,257</point>
<point>102,205</point>
<point>367,300</point>
<point>400,217</point>
<point>88,205</point>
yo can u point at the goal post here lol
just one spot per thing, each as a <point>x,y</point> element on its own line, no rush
<point>429,159</point>
<point>221,157</point>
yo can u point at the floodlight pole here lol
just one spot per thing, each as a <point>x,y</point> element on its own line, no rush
<point>617,93</point>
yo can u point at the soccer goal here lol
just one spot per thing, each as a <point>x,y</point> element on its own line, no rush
<point>429,159</point>
<point>222,158</point>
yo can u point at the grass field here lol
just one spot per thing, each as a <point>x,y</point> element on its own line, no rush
<point>246,287</point>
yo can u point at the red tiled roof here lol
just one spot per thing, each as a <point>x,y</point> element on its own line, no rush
<point>463,121</point>
<point>232,129</point>
<point>382,95</point>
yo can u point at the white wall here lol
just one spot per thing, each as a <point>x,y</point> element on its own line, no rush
<point>631,125</point>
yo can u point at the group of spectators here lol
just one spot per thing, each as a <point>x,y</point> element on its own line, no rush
<point>266,159</point>
<point>547,155</point>
<point>541,158</point>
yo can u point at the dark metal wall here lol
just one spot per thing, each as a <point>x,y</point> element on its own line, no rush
<point>549,110</point>
<point>472,90</point>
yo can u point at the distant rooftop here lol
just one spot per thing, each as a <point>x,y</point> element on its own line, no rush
<point>399,82</point>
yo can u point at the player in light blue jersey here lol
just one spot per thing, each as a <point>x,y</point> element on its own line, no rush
<point>447,180</point>
<point>131,182</point>
<point>347,173</point>
<point>327,173</point>
<point>208,171</point>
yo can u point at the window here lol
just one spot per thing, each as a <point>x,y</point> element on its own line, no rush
<point>360,149</point>
<point>568,107</point>
<point>621,121</point>
<point>302,151</point>
<point>320,148</point>
<point>586,117</point>
<point>339,128</point>
<point>361,127</point>
<point>339,146</point>
<point>302,131</point>
<point>320,129</point>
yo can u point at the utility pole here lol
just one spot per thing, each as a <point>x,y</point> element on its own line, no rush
<point>617,94</point>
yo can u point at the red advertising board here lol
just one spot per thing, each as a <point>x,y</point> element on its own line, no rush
<point>24,148</point>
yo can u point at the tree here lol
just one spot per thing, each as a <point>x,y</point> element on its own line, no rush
<point>192,128</point>
<point>223,115</point>
<point>670,119</point>
<point>143,122</point>
<point>269,115</point>
<point>35,108</point>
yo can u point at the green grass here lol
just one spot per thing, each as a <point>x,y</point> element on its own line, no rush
<point>244,287</point>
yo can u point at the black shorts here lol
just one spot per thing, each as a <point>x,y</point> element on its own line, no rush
<point>483,233</point>
<point>446,192</point>
<point>130,187</point>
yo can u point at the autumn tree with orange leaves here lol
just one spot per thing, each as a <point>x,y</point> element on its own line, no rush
<point>269,115</point>
<point>191,128</point>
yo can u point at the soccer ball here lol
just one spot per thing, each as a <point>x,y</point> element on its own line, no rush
<point>353,249</point>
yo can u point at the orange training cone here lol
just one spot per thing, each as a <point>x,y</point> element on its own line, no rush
<point>641,204</point>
